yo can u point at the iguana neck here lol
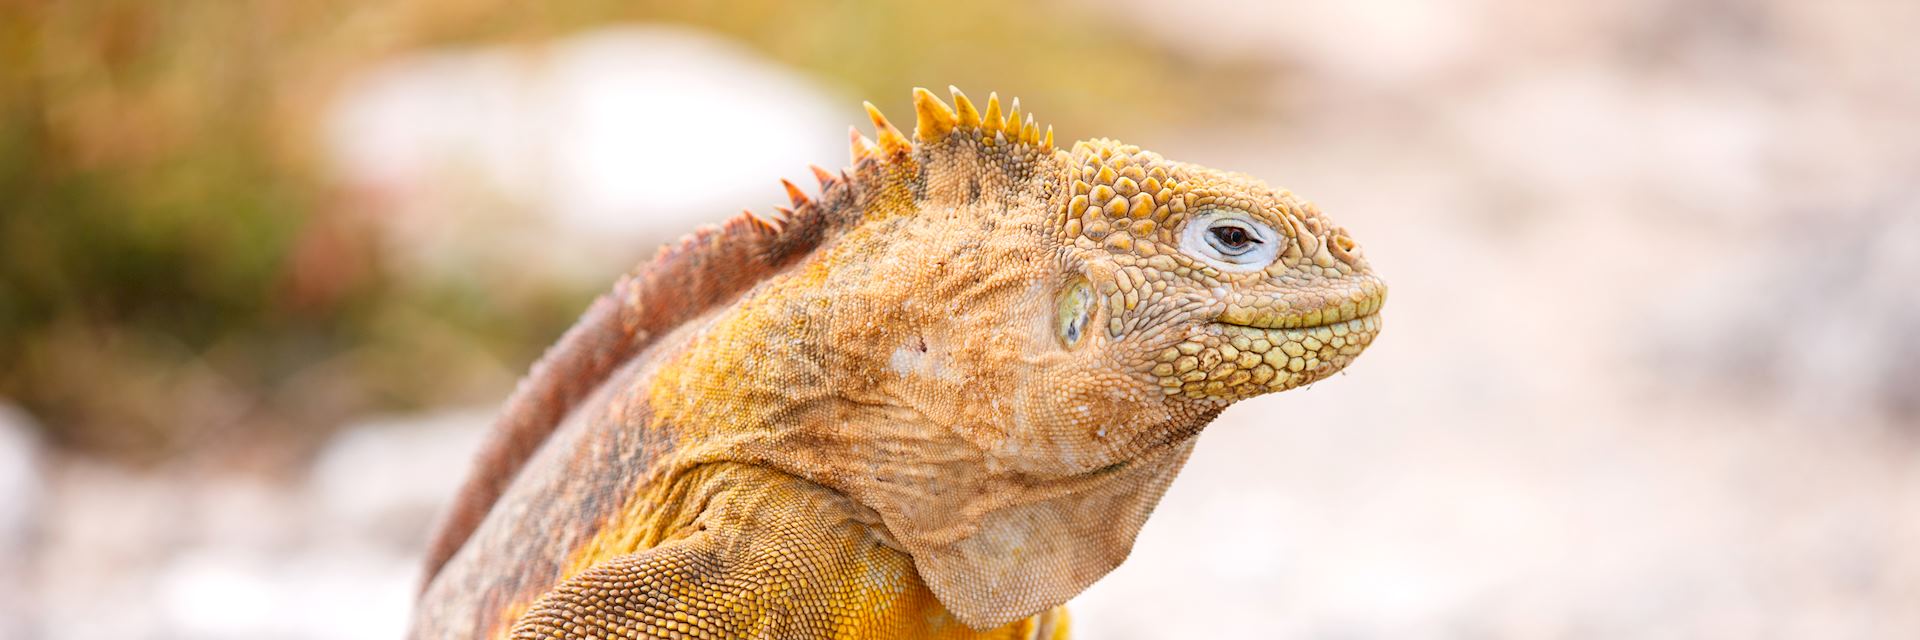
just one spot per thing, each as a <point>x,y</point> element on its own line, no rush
<point>862,370</point>
<point>851,366</point>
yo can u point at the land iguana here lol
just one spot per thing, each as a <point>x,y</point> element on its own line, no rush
<point>937,399</point>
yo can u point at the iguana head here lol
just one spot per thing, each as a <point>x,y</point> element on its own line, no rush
<point>1216,286</point>
<point>1005,349</point>
<point>1166,290</point>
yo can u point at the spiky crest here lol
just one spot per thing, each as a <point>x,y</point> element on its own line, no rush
<point>891,141</point>
<point>859,146</point>
<point>937,122</point>
<point>798,197</point>
<point>933,120</point>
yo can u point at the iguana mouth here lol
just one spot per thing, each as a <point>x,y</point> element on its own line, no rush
<point>1299,323</point>
<point>1278,314</point>
<point>1325,304</point>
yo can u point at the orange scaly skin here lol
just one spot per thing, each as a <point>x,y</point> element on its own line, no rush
<point>937,400</point>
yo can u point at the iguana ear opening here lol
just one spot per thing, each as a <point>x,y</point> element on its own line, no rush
<point>1041,551</point>
<point>1072,311</point>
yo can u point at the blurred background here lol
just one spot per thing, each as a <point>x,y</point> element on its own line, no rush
<point>1651,366</point>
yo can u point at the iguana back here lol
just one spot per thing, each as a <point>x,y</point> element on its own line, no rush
<point>678,284</point>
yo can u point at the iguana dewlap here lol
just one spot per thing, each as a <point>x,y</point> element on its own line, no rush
<point>938,399</point>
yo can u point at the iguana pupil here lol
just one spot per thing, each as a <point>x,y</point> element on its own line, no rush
<point>1235,238</point>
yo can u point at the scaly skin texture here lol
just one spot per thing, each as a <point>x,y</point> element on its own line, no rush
<point>937,400</point>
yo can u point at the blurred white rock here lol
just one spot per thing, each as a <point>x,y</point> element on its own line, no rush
<point>386,479</point>
<point>323,592</point>
<point>1406,41</point>
<point>19,475</point>
<point>597,142</point>
<point>21,490</point>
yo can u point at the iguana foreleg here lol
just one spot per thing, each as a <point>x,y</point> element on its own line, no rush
<point>768,556</point>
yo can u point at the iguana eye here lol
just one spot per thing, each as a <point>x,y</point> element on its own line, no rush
<point>1231,240</point>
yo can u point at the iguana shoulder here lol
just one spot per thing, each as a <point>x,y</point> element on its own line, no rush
<point>685,279</point>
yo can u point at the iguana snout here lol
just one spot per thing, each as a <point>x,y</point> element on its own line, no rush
<point>1220,287</point>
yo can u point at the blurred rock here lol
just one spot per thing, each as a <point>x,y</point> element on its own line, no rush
<point>603,142</point>
<point>183,553</point>
<point>386,480</point>
<point>326,591</point>
<point>1829,337</point>
<point>20,482</point>
<point>21,492</point>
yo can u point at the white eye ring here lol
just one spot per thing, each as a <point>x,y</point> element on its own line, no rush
<point>1230,240</point>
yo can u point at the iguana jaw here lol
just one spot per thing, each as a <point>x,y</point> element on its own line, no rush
<point>1286,312</point>
<point>1268,346</point>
